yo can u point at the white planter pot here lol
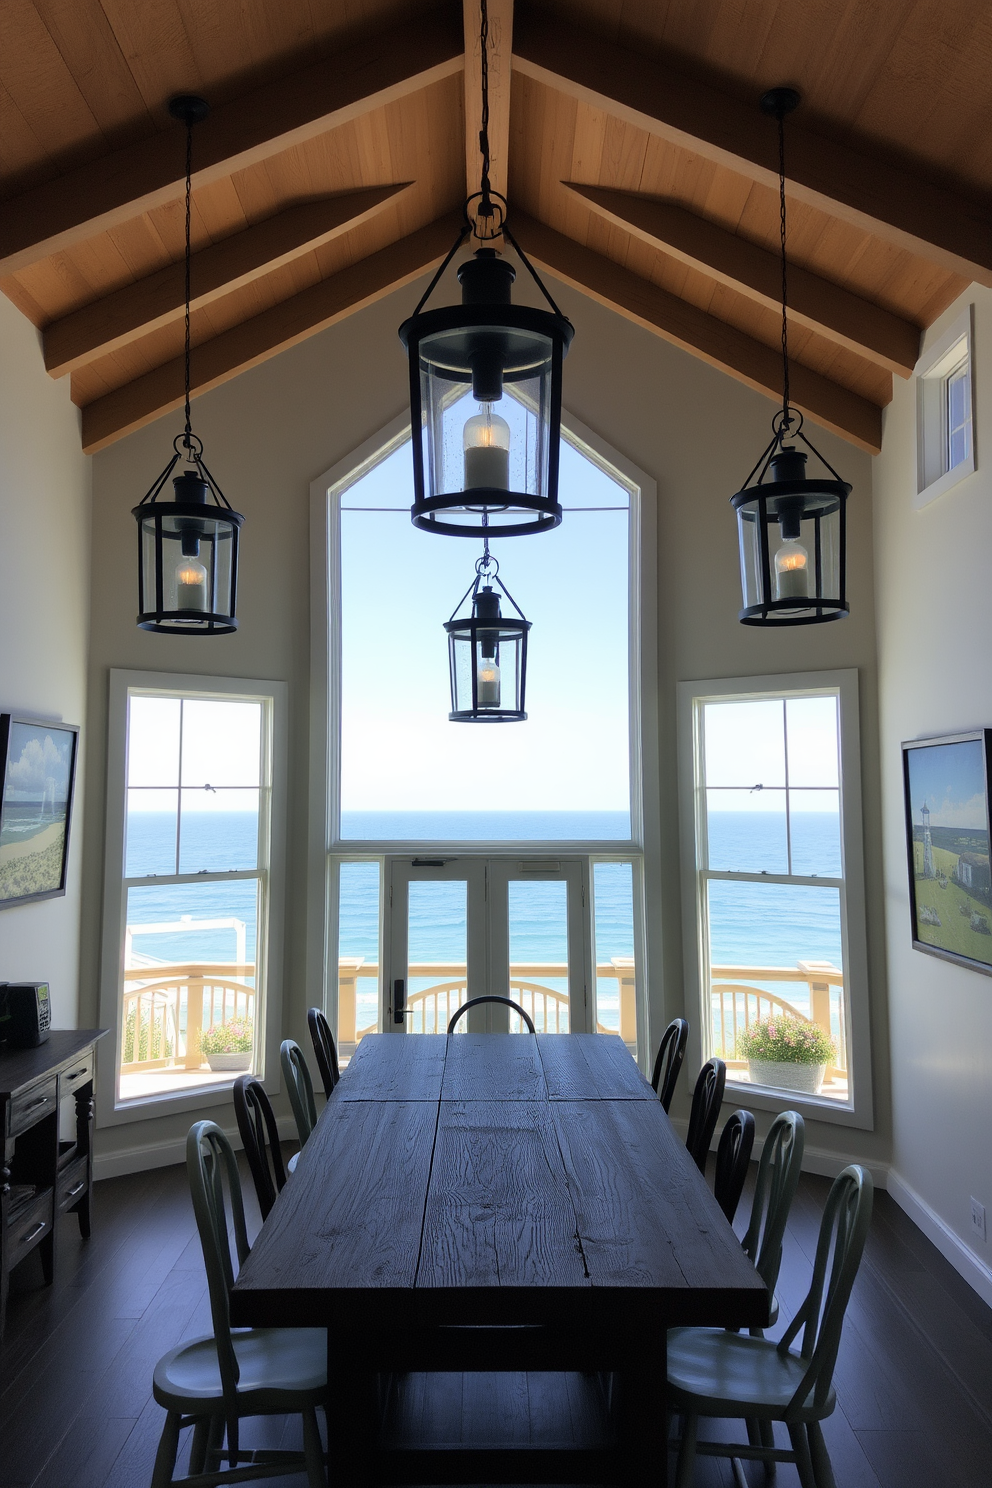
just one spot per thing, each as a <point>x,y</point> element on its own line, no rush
<point>234,1062</point>
<point>805,1077</point>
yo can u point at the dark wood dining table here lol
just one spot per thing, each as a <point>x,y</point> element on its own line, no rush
<point>496,1231</point>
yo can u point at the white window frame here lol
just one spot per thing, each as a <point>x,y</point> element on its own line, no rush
<point>325,845</point>
<point>951,351</point>
<point>858,1110</point>
<point>269,953</point>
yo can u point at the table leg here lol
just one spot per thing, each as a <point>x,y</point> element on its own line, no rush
<point>640,1414</point>
<point>352,1418</point>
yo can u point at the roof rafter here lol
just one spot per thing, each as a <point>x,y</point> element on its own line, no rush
<point>854,185</point>
<point>721,345</point>
<point>819,304</point>
<point>136,309</point>
<point>94,197</point>
<point>213,362</point>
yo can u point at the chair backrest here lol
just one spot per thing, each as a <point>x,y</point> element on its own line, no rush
<point>668,1063</point>
<point>209,1160</point>
<point>707,1096</point>
<point>260,1139</point>
<point>774,1189</point>
<point>474,1002</point>
<point>841,1243</point>
<point>732,1158</point>
<point>324,1051</point>
<point>299,1086</point>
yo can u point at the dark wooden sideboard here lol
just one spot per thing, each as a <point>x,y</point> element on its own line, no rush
<point>47,1103</point>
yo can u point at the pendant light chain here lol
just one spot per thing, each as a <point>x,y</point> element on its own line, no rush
<point>786,420</point>
<point>189,180</point>
<point>486,205</point>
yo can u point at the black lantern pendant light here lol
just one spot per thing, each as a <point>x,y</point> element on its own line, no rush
<point>487,652</point>
<point>187,547</point>
<point>791,524</point>
<point>477,469</point>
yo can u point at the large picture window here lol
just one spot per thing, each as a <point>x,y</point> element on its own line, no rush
<point>777,932</point>
<point>190,856</point>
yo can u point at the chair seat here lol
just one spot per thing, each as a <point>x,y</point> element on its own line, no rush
<point>291,1164</point>
<point>269,1360</point>
<point>715,1373</point>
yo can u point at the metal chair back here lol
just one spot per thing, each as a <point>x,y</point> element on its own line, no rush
<point>775,1188</point>
<point>210,1160</point>
<point>508,1001</point>
<point>732,1158</point>
<point>260,1139</point>
<point>299,1087</point>
<point>707,1097</point>
<point>324,1050</point>
<point>668,1061</point>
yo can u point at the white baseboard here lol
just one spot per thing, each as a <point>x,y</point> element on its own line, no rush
<point>164,1154</point>
<point>939,1233</point>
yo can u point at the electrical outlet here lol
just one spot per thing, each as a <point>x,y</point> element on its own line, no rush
<point>978,1219</point>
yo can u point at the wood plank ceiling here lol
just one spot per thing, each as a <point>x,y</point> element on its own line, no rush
<point>627,134</point>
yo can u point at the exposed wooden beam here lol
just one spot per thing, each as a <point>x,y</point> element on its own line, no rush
<point>819,304</point>
<point>723,346</point>
<point>94,197</point>
<point>499,51</point>
<point>136,309</point>
<point>253,341</point>
<point>853,184</point>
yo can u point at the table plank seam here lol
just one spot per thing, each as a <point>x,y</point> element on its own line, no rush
<point>430,1171</point>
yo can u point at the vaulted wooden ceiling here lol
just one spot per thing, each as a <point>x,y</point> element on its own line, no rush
<point>626,133</point>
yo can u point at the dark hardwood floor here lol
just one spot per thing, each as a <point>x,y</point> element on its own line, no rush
<point>914,1376</point>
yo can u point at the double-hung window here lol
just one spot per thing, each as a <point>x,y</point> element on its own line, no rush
<point>774,894</point>
<point>189,925</point>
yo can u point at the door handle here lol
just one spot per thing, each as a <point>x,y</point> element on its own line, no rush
<point>399,1000</point>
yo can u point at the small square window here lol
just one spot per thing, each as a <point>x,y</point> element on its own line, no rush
<point>944,427</point>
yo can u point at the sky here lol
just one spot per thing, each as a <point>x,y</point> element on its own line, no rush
<point>950,778</point>
<point>221,748</point>
<point>750,743</point>
<point>400,585</point>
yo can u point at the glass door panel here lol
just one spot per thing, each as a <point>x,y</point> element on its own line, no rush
<point>358,953</point>
<point>539,943</point>
<point>437,942</point>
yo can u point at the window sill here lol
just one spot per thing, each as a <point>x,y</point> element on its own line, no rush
<point>944,483</point>
<point>811,1107</point>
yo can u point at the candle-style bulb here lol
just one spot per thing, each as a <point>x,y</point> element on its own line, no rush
<point>191,585</point>
<point>487,676</point>
<point>792,571</point>
<point>486,443</point>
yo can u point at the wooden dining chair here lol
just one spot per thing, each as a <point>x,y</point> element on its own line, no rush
<point>324,1050</point>
<point>774,1190</point>
<point>707,1096</point>
<point>475,1001</point>
<point>211,1383</point>
<point>735,1375</point>
<point>299,1087</point>
<point>733,1156</point>
<point>668,1061</point>
<point>260,1139</point>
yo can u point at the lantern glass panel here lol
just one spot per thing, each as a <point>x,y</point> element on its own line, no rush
<point>499,694</point>
<point>195,582</point>
<point>804,553</point>
<point>513,454</point>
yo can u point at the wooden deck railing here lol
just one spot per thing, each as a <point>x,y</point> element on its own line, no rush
<point>165,1016</point>
<point>737,1003</point>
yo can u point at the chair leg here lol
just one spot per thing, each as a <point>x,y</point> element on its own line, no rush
<point>168,1447</point>
<point>822,1470</point>
<point>766,1436</point>
<point>687,1452</point>
<point>313,1451</point>
<point>804,1463</point>
<point>215,1442</point>
<point>198,1447</point>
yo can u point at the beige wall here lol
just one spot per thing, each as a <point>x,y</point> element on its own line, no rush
<point>270,432</point>
<point>44,604</point>
<point>934,604</point>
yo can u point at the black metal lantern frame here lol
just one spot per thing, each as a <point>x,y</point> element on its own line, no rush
<point>188,547</point>
<point>187,551</point>
<point>487,653</point>
<point>793,534</point>
<point>472,475</point>
<point>792,526</point>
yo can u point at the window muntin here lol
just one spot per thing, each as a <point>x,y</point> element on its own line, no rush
<point>195,882</point>
<point>770,874</point>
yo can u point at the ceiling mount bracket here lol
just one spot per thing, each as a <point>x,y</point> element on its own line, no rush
<point>188,108</point>
<point>780,101</point>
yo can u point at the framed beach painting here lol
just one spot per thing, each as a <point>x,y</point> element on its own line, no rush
<point>38,762</point>
<point>947,785</point>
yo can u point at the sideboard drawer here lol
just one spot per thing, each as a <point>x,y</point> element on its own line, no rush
<point>72,1183</point>
<point>76,1076</point>
<point>29,1106</point>
<point>31,1224</point>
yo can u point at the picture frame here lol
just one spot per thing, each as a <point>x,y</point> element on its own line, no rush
<point>37,781</point>
<point>947,784</point>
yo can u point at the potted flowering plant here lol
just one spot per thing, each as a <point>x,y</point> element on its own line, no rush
<point>785,1053</point>
<point>228,1046</point>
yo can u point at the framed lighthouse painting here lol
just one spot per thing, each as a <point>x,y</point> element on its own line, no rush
<point>948,782</point>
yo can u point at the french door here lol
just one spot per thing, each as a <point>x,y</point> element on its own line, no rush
<point>456,928</point>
